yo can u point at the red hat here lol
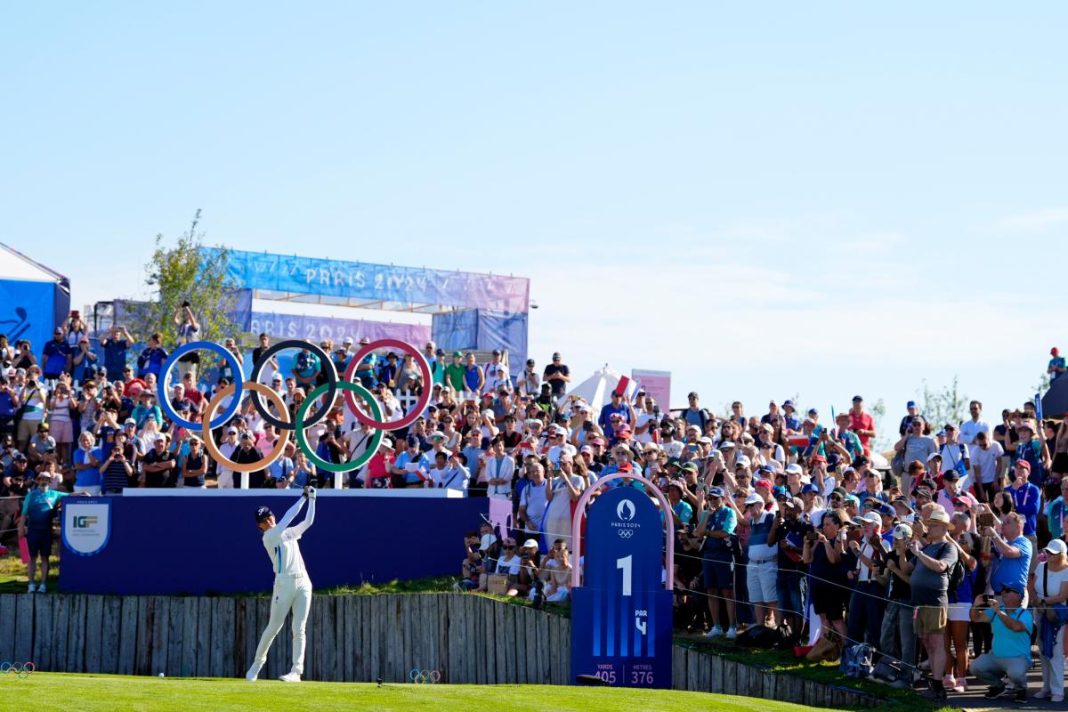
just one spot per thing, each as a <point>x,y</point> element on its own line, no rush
<point>819,458</point>
<point>623,433</point>
<point>764,484</point>
<point>625,467</point>
<point>1024,464</point>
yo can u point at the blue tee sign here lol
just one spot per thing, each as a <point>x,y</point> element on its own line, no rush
<point>621,616</point>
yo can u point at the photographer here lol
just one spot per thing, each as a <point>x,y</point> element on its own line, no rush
<point>930,585</point>
<point>867,603</point>
<point>714,530</point>
<point>824,552</point>
<point>788,534</point>
<point>898,635</point>
<point>117,469</point>
<point>1011,652</point>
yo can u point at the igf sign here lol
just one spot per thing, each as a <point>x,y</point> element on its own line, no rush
<point>621,615</point>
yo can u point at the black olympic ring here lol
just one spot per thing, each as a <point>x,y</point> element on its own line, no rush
<point>422,677</point>
<point>21,670</point>
<point>325,363</point>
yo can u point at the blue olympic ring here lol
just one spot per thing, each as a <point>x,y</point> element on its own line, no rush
<point>422,677</point>
<point>21,670</point>
<point>164,398</point>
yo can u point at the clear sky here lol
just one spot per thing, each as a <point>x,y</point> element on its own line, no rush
<point>766,199</point>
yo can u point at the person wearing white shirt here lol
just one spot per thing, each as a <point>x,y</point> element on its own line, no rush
<point>292,587</point>
<point>498,471</point>
<point>449,473</point>
<point>986,457</point>
<point>970,428</point>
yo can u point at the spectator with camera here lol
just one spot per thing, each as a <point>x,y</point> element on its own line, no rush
<point>930,589</point>
<point>1010,655</point>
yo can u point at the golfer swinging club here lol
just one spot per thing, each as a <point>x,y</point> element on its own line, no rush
<point>292,588</point>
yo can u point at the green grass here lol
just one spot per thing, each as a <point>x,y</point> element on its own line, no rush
<point>62,692</point>
<point>13,577</point>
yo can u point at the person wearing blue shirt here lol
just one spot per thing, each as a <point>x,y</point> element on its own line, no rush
<point>717,526</point>
<point>8,407</point>
<point>1013,554</point>
<point>411,466</point>
<point>55,357</point>
<point>152,358</point>
<point>306,367</point>
<point>115,346</point>
<point>615,406</point>
<point>38,511</point>
<point>87,459</point>
<point>1026,500</point>
<point>1056,511</point>
<point>1010,654</point>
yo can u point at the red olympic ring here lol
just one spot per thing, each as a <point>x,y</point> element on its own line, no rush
<point>415,411</point>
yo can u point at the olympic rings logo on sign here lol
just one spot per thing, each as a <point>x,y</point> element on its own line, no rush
<point>422,677</point>
<point>258,391</point>
<point>20,670</point>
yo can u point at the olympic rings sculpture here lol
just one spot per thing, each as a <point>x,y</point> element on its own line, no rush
<point>20,670</point>
<point>235,391</point>
<point>421,677</point>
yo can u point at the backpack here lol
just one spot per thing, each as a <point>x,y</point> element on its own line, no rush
<point>956,574</point>
<point>759,636</point>
<point>857,661</point>
<point>889,670</point>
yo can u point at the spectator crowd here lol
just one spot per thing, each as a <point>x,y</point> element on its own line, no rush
<point>947,564</point>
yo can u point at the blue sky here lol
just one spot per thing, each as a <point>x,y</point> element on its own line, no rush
<point>766,199</point>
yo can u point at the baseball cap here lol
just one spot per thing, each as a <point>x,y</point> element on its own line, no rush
<point>1056,547</point>
<point>902,531</point>
<point>951,475</point>
<point>867,518</point>
<point>793,469</point>
<point>1009,587</point>
<point>488,540</point>
<point>347,340</point>
<point>530,544</point>
<point>1024,464</point>
<point>231,431</point>
<point>689,467</point>
<point>716,492</point>
<point>129,421</point>
<point>741,461</point>
<point>933,455</point>
<point>813,411</point>
<point>262,513</point>
<point>857,399</point>
<point>247,435</point>
<point>910,404</point>
<point>809,489</point>
<point>753,499</point>
<point>726,445</point>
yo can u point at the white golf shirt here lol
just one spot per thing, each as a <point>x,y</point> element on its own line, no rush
<point>281,542</point>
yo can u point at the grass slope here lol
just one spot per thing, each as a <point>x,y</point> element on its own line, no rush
<point>61,692</point>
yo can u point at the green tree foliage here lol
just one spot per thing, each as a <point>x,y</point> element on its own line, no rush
<point>944,405</point>
<point>178,273</point>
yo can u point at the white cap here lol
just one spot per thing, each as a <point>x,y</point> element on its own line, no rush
<point>902,531</point>
<point>1056,546</point>
<point>793,469</point>
<point>530,544</point>
<point>741,460</point>
<point>753,499</point>
<point>488,540</point>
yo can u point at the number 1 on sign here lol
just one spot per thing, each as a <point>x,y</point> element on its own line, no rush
<point>624,565</point>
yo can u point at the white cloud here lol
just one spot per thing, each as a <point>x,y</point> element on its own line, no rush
<point>1037,221</point>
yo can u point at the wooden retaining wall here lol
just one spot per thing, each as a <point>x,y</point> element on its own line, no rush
<point>468,638</point>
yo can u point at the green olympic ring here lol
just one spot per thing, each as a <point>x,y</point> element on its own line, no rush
<point>302,440</point>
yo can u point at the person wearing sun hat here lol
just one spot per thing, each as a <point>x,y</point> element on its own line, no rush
<point>930,586</point>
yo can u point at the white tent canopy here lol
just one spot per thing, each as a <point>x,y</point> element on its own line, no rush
<point>17,266</point>
<point>597,389</point>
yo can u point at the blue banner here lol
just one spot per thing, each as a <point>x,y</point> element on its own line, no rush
<point>211,544</point>
<point>360,280</point>
<point>28,310</point>
<point>621,617</point>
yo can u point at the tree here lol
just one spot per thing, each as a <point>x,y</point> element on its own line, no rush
<point>179,273</point>
<point>945,405</point>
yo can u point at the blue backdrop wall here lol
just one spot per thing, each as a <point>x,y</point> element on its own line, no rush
<point>210,544</point>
